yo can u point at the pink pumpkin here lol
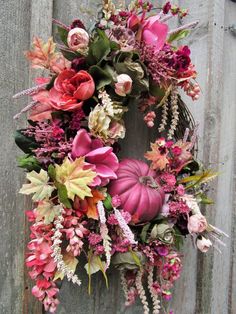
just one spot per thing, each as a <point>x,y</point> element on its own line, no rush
<point>138,190</point>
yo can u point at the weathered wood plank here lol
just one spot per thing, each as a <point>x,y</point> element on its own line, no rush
<point>14,39</point>
<point>41,26</point>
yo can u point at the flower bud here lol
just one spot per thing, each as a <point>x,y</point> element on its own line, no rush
<point>123,85</point>
<point>78,39</point>
<point>203,244</point>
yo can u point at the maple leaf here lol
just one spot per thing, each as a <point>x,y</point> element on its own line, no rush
<point>70,261</point>
<point>41,53</point>
<point>159,161</point>
<point>75,176</point>
<point>39,185</point>
<point>91,204</point>
<point>47,212</point>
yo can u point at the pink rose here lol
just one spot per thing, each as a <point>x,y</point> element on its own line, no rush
<point>77,39</point>
<point>70,88</point>
<point>154,33</point>
<point>123,85</point>
<point>197,223</point>
<point>203,244</point>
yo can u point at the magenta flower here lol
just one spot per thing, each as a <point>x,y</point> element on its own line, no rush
<point>154,33</point>
<point>102,158</point>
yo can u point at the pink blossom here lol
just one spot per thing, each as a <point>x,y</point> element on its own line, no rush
<point>116,201</point>
<point>167,181</point>
<point>154,33</point>
<point>123,85</point>
<point>42,110</point>
<point>78,38</point>
<point>133,22</point>
<point>102,158</point>
<point>149,119</point>
<point>94,238</point>
<point>180,190</point>
<point>203,244</point>
<point>197,223</point>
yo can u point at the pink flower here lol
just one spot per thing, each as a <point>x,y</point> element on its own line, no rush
<point>71,87</point>
<point>197,223</point>
<point>203,244</point>
<point>116,201</point>
<point>133,22</point>
<point>78,39</point>
<point>154,33</point>
<point>180,190</point>
<point>123,85</point>
<point>102,158</point>
<point>42,110</point>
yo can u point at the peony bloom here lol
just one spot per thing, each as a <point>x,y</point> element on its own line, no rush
<point>102,158</point>
<point>197,223</point>
<point>203,244</point>
<point>78,39</point>
<point>123,85</point>
<point>154,33</point>
<point>70,89</point>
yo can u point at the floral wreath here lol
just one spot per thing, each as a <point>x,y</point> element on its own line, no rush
<point>129,213</point>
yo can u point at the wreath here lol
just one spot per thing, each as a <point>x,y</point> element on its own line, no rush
<point>128,213</point>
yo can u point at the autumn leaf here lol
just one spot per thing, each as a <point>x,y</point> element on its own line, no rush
<point>159,161</point>
<point>39,185</point>
<point>47,212</point>
<point>70,261</point>
<point>43,55</point>
<point>41,52</point>
<point>76,177</point>
<point>92,211</point>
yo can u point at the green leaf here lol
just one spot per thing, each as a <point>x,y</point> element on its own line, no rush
<point>38,185</point>
<point>100,76</point>
<point>69,55</point>
<point>94,265</point>
<point>26,144</point>
<point>204,177</point>
<point>47,212</point>
<point>179,238</point>
<point>107,202</point>
<point>203,199</point>
<point>52,172</point>
<point>63,33</point>
<point>62,195</point>
<point>179,35</point>
<point>144,231</point>
<point>99,48</point>
<point>135,258</point>
<point>29,163</point>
